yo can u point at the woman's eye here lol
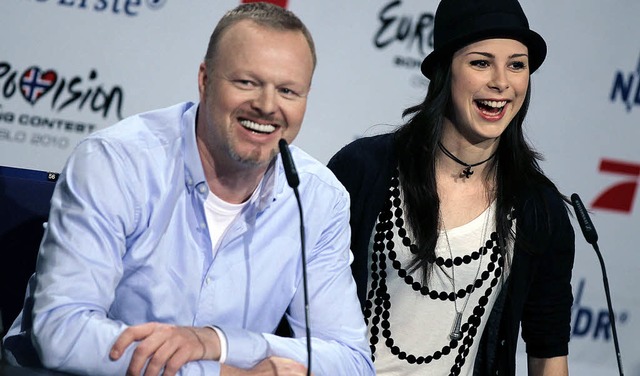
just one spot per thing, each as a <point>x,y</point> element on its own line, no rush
<point>518,65</point>
<point>480,63</point>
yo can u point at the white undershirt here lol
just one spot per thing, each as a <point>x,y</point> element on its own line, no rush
<point>219,215</point>
<point>421,325</point>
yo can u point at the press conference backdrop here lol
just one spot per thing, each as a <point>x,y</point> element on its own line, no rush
<point>71,67</point>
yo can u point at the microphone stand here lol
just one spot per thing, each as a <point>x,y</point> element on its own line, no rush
<point>293,180</point>
<point>611,315</point>
<point>591,236</point>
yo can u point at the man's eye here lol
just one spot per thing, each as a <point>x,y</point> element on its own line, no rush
<point>244,83</point>
<point>288,92</point>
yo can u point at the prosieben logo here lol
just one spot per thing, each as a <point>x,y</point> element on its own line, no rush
<point>620,195</point>
<point>280,3</point>
<point>129,8</point>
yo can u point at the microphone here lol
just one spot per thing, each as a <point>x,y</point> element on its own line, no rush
<point>289,168</point>
<point>293,180</point>
<point>588,230</point>
<point>591,237</point>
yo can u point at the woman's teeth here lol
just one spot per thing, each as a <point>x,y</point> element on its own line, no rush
<point>491,106</point>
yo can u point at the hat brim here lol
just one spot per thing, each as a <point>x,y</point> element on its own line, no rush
<point>534,42</point>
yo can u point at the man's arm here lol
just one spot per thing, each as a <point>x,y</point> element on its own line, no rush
<point>557,366</point>
<point>339,344</point>
<point>80,267</point>
<point>80,264</point>
<point>167,348</point>
<point>273,366</point>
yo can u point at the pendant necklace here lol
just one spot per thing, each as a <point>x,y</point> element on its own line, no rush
<point>467,172</point>
<point>385,260</point>
<point>456,331</point>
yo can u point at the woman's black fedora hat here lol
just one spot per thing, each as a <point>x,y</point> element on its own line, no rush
<point>461,22</point>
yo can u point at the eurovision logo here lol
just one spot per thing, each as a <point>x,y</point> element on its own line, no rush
<point>413,30</point>
<point>82,93</point>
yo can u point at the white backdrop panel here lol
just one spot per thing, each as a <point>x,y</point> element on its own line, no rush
<point>96,63</point>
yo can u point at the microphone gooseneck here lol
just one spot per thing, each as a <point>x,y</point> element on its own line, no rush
<point>293,180</point>
<point>591,236</point>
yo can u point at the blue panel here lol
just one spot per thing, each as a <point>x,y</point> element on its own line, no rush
<point>24,207</point>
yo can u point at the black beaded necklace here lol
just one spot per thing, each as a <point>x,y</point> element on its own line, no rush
<point>467,170</point>
<point>378,304</point>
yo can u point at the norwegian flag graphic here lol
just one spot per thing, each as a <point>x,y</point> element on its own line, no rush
<point>35,83</point>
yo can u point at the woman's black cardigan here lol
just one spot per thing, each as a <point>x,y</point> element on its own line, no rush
<point>538,289</point>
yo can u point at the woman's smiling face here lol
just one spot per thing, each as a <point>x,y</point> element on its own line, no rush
<point>489,81</point>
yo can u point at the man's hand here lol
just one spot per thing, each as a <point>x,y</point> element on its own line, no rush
<point>167,346</point>
<point>273,366</point>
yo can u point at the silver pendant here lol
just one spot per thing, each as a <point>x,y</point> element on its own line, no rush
<point>456,333</point>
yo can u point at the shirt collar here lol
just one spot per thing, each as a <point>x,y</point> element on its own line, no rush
<point>271,184</point>
<point>267,186</point>
<point>194,173</point>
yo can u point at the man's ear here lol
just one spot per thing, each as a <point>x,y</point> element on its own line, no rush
<point>202,80</point>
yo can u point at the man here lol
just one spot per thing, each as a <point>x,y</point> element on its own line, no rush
<point>173,240</point>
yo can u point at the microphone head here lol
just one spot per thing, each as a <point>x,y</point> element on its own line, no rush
<point>283,145</point>
<point>586,226</point>
<point>289,167</point>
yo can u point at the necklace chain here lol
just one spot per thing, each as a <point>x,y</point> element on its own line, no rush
<point>456,332</point>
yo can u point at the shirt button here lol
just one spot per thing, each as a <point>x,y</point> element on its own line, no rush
<point>208,280</point>
<point>202,188</point>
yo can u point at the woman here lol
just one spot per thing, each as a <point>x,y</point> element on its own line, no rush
<point>459,237</point>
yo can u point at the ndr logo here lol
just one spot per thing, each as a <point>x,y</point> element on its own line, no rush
<point>127,7</point>
<point>627,88</point>
<point>592,322</point>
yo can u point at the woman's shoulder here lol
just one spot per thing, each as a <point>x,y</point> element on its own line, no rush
<point>542,194</point>
<point>364,161</point>
<point>371,149</point>
<point>543,206</point>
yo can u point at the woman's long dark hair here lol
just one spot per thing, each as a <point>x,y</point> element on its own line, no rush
<point>515,166</point>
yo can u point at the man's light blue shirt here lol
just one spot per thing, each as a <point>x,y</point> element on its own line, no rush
<point>127,243</point>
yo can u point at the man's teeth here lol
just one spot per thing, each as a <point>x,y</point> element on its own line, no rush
<point>262,128</point>
<point>494,104</point>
